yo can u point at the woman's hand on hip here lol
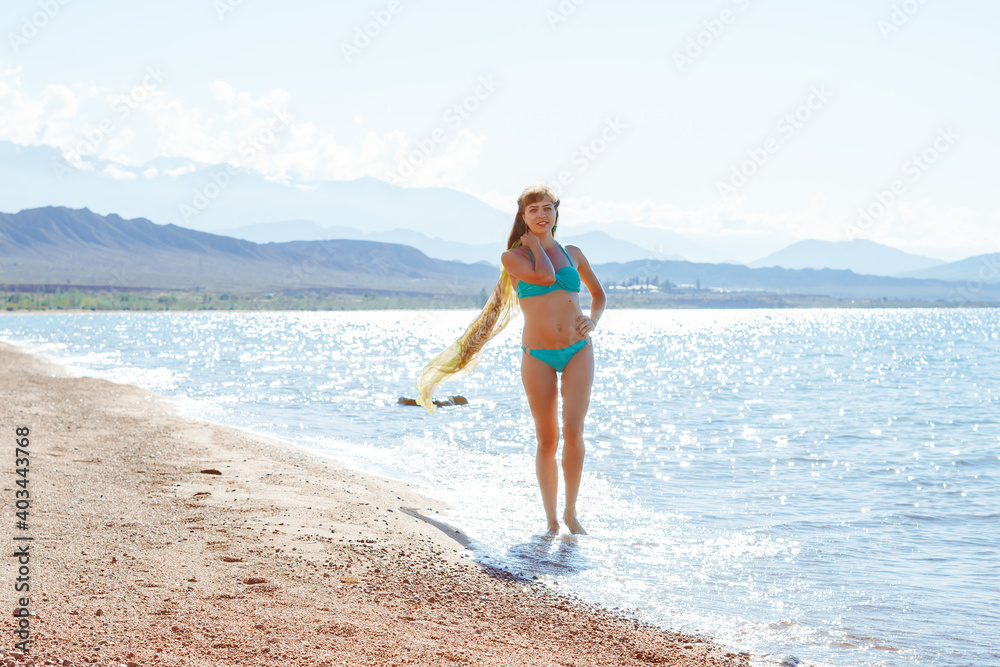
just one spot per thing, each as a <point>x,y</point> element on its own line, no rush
<point>584,325</point>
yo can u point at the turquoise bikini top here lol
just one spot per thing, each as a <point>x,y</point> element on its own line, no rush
<point>567,278</point>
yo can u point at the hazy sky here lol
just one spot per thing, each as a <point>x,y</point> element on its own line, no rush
<point>754,119</point>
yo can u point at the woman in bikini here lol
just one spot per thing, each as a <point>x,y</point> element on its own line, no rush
<point>543,278</point>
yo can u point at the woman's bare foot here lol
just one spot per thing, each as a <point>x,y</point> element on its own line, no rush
<point>553,527</point>
<point>573,525</point>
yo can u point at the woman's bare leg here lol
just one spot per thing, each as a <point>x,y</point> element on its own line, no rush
<point>577,379</point>
<point>540,386</point>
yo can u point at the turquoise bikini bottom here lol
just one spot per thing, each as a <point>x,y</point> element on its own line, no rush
<point>557,359</point>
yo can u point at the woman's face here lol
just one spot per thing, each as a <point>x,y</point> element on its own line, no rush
<point>540,216</point>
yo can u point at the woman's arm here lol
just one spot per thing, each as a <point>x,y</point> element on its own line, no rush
<point>598,298</point>
<point>536,270</point>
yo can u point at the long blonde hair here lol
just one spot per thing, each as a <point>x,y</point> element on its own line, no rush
<point>461,357</point>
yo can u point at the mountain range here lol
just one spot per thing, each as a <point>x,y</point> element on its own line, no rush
<point>441,222</point>
<point>57,245</point>
<point>600,246</point>
<point>859,255</point>
<point>210,198</point>
<point>971,270</point>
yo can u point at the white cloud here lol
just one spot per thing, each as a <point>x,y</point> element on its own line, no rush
<point>920,226</point>
<point>180,171</point>
<point>117,173</point>
<point>21,115</point>
<point>88,124</point>
<point>223,91</point>
<point>435,165</point>
<point>498,200</point>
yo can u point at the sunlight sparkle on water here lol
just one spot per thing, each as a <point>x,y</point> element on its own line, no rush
<point>814,483</point>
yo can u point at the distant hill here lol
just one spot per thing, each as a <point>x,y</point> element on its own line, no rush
<point>306,230</point>
<point>289,230</point>
<point>836,283</point>
<point>985,268</point>
<point>59,245</point>
<point>654,241</point>
<point>598,246</point>
<point>860,256</point>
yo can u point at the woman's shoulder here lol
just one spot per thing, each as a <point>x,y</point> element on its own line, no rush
<point>575,252</point>
<point>519,251</point>
<point>510,259</point>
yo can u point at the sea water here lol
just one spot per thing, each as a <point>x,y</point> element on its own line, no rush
<point>816,484</point>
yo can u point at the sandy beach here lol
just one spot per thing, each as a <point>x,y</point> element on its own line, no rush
<point>160,540</point>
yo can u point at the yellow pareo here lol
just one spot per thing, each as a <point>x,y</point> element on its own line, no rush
<point>461,357</point>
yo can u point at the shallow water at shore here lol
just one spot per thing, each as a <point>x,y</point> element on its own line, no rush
<point>811,483</point>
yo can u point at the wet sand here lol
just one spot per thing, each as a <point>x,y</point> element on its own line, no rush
<point>160,540</point>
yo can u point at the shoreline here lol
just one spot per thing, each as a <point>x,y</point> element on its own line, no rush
<point>813,304</point>
<point>154,300</point>
<point>162,540</point>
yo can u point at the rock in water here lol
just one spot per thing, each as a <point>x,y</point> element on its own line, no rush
<point>451,400</point>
